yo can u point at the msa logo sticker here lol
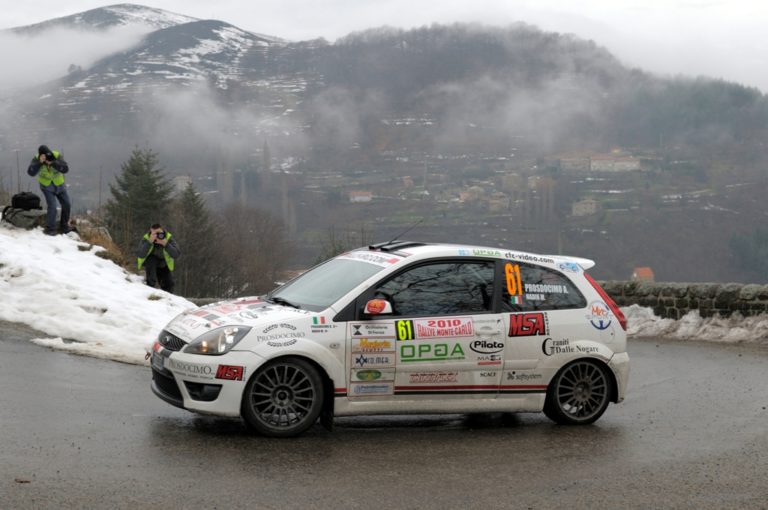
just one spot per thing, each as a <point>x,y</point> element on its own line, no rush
<point>230,372</point>
<point>528,324</point>
<point>600,315</point>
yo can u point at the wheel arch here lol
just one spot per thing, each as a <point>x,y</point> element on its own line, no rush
<point>329,388</point>
<point>614,396</point>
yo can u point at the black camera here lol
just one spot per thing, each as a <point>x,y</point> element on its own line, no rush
<point>161,235</point>
<point>49,157</point>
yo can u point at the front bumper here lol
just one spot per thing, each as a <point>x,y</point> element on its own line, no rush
<point>204,384</point>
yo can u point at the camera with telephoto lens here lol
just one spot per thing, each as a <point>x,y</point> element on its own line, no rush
<point>161,235</point>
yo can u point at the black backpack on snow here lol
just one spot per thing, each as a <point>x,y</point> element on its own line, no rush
<point>20,218</point>
<point>25,200</point>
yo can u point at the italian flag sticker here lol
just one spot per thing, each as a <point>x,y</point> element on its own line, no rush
<point>516,300</point>
<point>318,320</point>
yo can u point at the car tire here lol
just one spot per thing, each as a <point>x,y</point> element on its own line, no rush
<point>284,398</point>
<point>579,393</point>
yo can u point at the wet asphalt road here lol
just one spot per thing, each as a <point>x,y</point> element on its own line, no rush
<point>78,432</point>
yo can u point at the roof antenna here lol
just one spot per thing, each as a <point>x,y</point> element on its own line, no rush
<point>406,230</point>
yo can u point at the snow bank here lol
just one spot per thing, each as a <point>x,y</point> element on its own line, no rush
<point>643,323</point>
<point>86,304</point>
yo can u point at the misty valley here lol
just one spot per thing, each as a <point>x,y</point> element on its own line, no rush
<point>501,137</point>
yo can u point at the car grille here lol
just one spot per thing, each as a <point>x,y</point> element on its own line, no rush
<point>167,385</point>
<point>171,342</point>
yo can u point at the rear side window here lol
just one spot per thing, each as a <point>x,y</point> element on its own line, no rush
<point>529,287</point>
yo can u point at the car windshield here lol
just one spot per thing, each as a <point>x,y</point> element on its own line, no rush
<point>322,286</point>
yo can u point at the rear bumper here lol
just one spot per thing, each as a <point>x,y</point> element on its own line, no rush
<point>620,365</point>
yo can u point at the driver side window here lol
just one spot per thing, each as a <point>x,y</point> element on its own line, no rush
<point>444,288</point>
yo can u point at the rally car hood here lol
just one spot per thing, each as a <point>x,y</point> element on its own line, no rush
<point>252,312</point>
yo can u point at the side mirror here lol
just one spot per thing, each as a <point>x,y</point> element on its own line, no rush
<point>378,307</point>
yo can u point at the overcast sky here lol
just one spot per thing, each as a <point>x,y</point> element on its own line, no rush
<point>720,39</point>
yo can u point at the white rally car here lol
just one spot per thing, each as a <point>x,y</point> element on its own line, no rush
<point>403,327</point>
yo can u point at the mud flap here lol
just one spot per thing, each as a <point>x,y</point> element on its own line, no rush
<point>326,416</point>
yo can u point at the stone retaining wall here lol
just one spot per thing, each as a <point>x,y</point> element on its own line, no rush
<point>673,300</point>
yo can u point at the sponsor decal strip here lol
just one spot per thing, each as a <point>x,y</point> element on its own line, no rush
<point>523,388</point>
<point>479,389</point>
<point>447,387</point>
<point>340,392</point>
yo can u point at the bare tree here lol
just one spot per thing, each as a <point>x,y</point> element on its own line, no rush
<point>254,250</point>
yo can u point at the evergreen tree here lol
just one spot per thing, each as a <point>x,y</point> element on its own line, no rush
<point>140,197</point>
<point>199,273</point>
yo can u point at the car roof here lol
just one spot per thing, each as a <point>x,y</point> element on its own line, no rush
<point>419,249</point>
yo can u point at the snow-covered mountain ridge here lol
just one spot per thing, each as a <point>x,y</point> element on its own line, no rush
<point>108,17</point>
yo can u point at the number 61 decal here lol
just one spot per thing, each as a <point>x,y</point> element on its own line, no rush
<point>512,275</point>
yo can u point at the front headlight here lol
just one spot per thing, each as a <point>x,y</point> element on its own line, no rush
<point>217,341</point>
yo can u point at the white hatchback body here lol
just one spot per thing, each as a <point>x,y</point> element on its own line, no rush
<point>402,328</point>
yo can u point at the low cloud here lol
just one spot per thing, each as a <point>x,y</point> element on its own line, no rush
<point>29,60</point>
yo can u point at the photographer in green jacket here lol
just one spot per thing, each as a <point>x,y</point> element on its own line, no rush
<point>49,167</point>
<point>157,253</point>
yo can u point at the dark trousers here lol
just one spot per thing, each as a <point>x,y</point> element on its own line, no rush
<point>156,273</point>
<point>50,215</point>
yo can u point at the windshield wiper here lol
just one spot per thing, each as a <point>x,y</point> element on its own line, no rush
<point>281,301</point>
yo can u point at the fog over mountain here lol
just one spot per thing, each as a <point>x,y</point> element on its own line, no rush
<point>125,75</point>
<point>430,117</point>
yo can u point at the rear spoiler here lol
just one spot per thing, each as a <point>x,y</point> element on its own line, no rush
<point>584,264</point>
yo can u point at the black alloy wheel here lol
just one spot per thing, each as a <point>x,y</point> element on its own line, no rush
<point>579,393</point>
<point>284,398</point>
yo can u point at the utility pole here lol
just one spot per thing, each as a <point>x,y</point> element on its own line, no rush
<point>100,172</point>
<point>18,173</point>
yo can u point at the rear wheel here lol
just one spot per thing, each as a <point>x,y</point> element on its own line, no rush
<point>578,394</point>
<point>284,398</point>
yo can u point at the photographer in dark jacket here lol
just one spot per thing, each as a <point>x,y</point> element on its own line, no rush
<point>50,167</point>
<point>157,252</point>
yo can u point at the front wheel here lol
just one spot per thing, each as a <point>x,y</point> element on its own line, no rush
<point>578,394</point>
<point>284,398</point>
